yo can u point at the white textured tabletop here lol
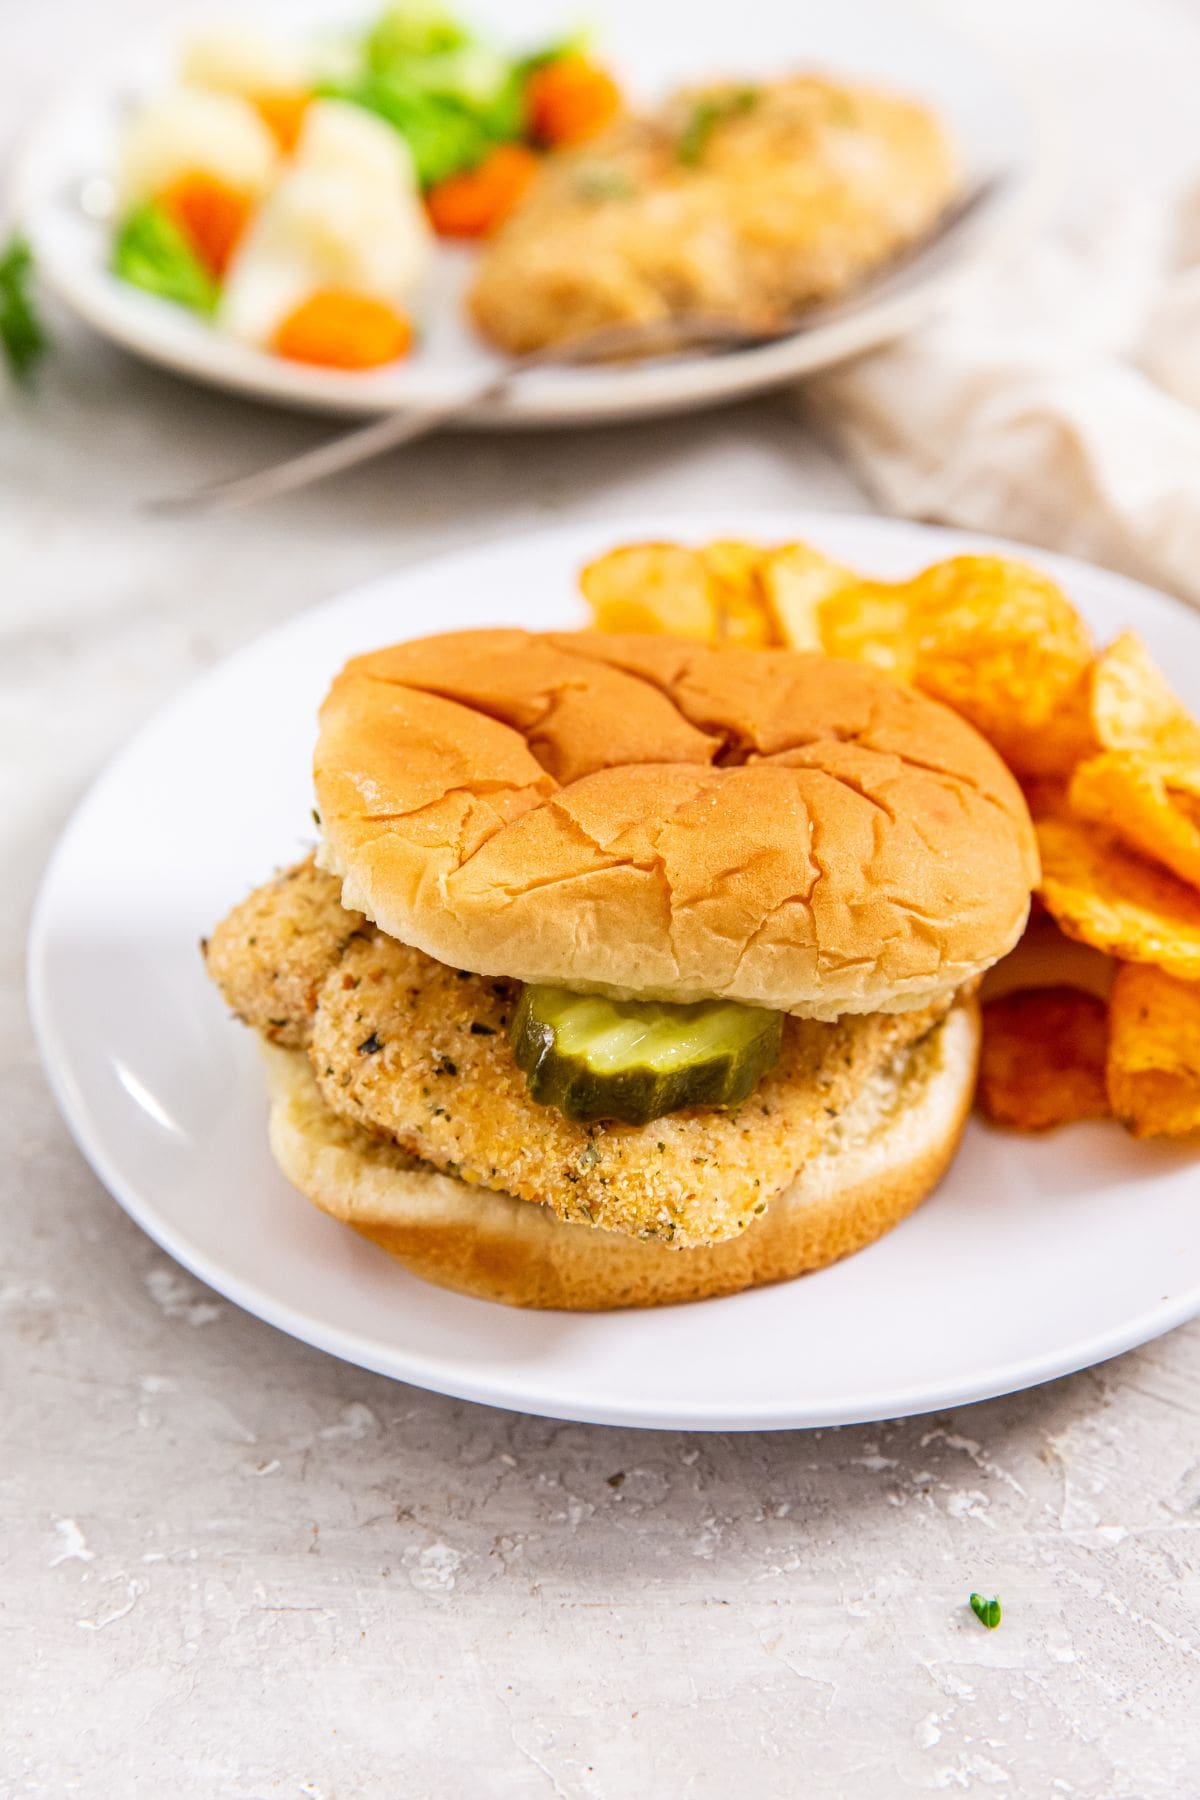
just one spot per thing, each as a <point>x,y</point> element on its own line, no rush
<point>230,1566</point>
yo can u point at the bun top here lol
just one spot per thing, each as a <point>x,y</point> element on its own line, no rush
<point>640,815</point>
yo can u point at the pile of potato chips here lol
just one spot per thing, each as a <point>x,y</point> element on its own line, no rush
<point>1108,756</point>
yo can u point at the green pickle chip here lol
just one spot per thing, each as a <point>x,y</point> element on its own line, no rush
<point>634,1060</point>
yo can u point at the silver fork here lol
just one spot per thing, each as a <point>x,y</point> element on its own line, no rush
<point>627,343</point>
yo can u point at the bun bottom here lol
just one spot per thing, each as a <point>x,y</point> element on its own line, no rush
<point>885,1154</point>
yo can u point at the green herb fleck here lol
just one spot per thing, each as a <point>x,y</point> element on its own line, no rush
<point>480,1030</point>
<point>22,336</point>
<point>370,1045</point>
<point>986,1611</point>
<point>444,1066</point>
<point>706,115</point>
<point>588,1158</point>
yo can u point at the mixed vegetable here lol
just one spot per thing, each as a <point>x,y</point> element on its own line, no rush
<point>292,193</point>
<point>23,339</point>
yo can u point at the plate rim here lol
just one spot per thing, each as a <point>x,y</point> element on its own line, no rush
<point>558,398</point>
<point>438,1373</point>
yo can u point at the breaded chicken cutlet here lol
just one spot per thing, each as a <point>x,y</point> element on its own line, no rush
<point>748,203</point>
<point>420,1053</point>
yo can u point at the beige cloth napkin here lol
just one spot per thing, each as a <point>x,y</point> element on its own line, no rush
<point>1056,400</point>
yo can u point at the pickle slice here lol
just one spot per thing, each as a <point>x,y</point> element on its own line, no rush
<point>633,1060</point>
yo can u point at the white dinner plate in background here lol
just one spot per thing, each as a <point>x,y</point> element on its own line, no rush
<point>652,49</point>
<point>1034,1257</point>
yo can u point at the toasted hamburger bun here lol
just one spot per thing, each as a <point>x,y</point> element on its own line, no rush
<point>642,816</point>
<point>883,1155</point>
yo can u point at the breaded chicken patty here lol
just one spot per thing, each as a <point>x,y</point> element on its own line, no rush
<point>419,1052</point>
<point>746,202</point>
<point>270,955</point>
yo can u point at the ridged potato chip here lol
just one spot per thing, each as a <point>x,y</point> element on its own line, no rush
<point>872,623</point>
<point>989,636</point>
<point>663,588</point>
<point>796,582</point>
<point>1132,706</point>
<point>1112,898</point>
<point>1043,1058</point>
<point>742,615</point>
<point>1154,1052</point>
<point>1150,802</point>
<point>1001,643</point>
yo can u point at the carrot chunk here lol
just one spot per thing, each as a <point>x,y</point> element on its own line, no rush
<point>475,203</point>
<point>570,100</point>
<point>341,329</point>
<point>211,214</point>
<point>283,116</point>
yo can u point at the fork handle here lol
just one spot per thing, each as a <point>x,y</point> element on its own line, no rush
<point>345,451</point>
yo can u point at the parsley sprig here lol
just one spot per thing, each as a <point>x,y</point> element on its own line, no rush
<point>986,1611</point>
<point>23,337</point>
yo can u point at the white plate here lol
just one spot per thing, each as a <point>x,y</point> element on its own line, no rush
<point>879,39</point>
<point>1035,1257</point>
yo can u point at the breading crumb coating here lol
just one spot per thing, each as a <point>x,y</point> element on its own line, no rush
<point>270,955</point>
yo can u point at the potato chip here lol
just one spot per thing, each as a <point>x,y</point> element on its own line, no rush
<point>1151,803</point>
<point>1002,645</point>
<point>1115,900</point>
<point>652,588</point>
<point>989,636</point>
<point>732,563</point>
<point>1043,1058</point>
<point>871,622</point>
<point>1154,1052</point>
<point>1132,705</point>
<point>796,581</point>
<point>743,616</point>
